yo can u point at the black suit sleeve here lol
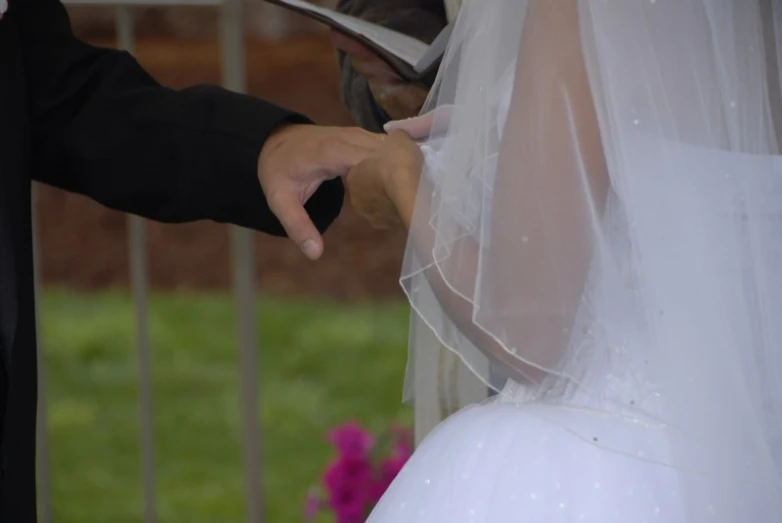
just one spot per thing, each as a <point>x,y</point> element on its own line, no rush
<point>105,128</point>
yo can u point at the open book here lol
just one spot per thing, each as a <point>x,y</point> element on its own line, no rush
<point>408,57</point>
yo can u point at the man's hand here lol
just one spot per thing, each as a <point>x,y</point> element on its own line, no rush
<point>397,97</point>
<point>293,163</point>
<point>383,187</point>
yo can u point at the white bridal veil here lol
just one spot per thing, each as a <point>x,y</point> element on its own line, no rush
<point>601,221</point>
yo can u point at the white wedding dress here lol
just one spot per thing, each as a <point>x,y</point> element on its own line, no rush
<point>664,403</point>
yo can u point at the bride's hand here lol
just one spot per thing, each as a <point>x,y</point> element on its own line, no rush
<point>383,187</point>
<point>421,127</point>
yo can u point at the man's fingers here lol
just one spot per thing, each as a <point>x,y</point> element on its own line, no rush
<point>375,68</point>
<point>363,59</point>
<point>402,99</point>
<point>296,222</point>
<point>350,46</point>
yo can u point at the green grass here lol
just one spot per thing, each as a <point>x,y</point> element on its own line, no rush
<point>321,364</point>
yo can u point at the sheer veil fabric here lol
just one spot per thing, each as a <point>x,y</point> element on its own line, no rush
<point>600,222</point>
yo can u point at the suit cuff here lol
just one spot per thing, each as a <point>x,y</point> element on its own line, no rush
<point>249,122</point>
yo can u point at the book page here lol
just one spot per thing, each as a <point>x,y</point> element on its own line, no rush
<point>404,47</point>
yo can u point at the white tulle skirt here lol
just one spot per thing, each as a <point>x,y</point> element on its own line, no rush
<point>505,461</point>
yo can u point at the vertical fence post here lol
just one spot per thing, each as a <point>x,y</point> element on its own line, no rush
<point>42,461</point>
<point>233,71</point>
<point>232,43</point>
<point>137,246</point>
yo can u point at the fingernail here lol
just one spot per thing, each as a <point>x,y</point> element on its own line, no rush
<point>311,249</point>
<point>394,125</point>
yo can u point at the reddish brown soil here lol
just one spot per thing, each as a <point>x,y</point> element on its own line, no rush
<point>85,245</point>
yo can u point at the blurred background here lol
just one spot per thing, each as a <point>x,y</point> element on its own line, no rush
<point>332,335</point>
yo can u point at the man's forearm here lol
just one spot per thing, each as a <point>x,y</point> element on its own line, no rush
<point>105,128</point>
<point>421,19</point>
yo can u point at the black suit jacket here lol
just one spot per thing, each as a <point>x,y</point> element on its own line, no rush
<point>92,121</point>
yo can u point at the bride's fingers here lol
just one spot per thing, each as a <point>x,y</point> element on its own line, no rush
<point>418,127</point>
<point>423,126</point>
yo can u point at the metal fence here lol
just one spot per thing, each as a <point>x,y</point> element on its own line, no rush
<point>433,370</point>
<point>233,77</point>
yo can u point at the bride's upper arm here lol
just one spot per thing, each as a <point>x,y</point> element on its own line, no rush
<point>549,188</point>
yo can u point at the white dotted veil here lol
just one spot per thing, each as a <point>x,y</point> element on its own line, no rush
<point>601,224</point>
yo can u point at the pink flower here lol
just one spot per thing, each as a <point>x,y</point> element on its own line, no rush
<point>392,466</point>
<point>388,471</point>
<point>349,506</point>
<point>347,471</point>
<point>347,483</point>
<point>403,434</point>
<point>403,449</point>
<point>348,497</point>
<point>363,470</point>
<point>377,489</point>
<point>357,514</point>
<point>352,440</point>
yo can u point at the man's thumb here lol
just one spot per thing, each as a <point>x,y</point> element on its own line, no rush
<point>297,224</point>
